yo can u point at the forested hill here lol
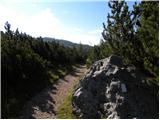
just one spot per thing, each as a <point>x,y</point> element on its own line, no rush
<point>67,43</point>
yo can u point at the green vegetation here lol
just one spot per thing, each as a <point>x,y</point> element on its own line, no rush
<point>29,65</point>
<point>149,35</point>
<point>66,43</point>
<point>133,35</point>
<point>65,110</point>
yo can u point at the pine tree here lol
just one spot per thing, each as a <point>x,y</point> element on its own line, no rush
<point>120,31</point>
<point>148,33</point>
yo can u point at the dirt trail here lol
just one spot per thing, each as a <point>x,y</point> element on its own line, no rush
<point>45,104</point>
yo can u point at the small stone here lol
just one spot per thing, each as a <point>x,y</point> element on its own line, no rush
<point>123,88</point>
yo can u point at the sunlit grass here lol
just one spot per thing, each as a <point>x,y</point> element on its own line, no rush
<point>65,110</point>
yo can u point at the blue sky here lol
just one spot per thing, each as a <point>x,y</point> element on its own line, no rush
<point>77,21</point>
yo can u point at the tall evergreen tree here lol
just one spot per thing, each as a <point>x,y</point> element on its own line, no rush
<point>120,30</point>
<point>148,33</point>
<point>134,35</point>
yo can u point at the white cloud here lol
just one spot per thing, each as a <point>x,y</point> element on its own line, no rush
<point>44,23</point>
<point>98,31</point>
<point>41,24</point>
<point>77,29</point>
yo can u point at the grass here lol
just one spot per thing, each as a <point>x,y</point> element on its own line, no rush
<point>65,110</point>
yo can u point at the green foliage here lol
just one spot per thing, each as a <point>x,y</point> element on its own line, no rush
<point>133,35</point>
<point>65,110</point>
<point>149,35</point>
<point>29,65</point>
<point>120,32</point>
<point>98,52</point>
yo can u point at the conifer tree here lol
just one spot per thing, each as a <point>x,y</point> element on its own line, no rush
<point>148,33</point>
<point>120,31</point>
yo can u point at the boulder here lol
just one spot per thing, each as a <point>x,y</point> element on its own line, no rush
<point>113,90</point>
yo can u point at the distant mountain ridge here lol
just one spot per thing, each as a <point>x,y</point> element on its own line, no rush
<point>66,43</point>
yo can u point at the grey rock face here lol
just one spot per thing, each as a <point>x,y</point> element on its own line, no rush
<point>111,90</point>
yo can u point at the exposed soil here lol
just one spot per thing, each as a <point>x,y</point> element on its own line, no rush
<point>45,104</point>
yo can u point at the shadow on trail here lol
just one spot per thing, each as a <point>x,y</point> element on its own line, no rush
<point>44,101</point>
<point>46,104</point>
<point>77,72</point>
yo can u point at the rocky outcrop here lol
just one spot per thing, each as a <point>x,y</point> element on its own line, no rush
<point>112,90</point>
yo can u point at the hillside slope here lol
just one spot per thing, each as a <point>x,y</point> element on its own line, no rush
<point>67,43</point>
